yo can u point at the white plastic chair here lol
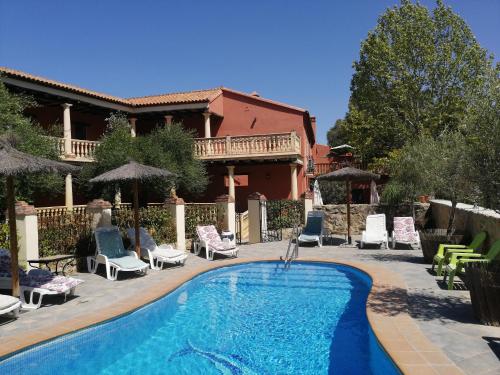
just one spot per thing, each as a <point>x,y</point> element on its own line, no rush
<point>157,255</point>
<point>209,239</point>
<point>111,252</point>
<point>404,232</point>
<point>376,232</point>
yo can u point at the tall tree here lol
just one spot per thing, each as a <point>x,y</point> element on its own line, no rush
<point>336,136</point>
<point>412,76</point>
<point>30,139</point>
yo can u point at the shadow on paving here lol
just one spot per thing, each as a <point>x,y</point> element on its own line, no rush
<point>494,344</point>
<point>422,306</point>
<point>417,258</point>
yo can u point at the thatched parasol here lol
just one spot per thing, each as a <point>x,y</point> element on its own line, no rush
<point>349,174</point>
<point>16,163</point>
<point>134,172</point>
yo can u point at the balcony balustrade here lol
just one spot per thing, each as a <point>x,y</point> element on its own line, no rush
<point>322,168</point>
<point>268,146</point>
<point>81,150</point>
<point>247,147</point>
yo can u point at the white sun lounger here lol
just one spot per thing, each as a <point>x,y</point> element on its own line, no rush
<point>36,283</point>
<point>9,304</point>
<point>404,232</point>
<point>376,232</point>
<point>157,255</point>
<point>111,252</point>
<point>209,239</point>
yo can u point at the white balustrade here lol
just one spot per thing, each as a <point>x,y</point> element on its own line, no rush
<point>268,144</point>
<point>83,149</point>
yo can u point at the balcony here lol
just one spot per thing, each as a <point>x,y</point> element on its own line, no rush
<point>81,150</point>
<point>268,146</point>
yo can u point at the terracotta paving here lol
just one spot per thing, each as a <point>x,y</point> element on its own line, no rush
<point>424,328</point>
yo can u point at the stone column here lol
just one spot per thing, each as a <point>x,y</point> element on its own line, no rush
<point>133,129</point>
<point>168,120</point>
<point>67,129</point>
<point>207,124</point>
<point>68,197</point>
<point>226,212</point>
<point>254,217</point>
<point>27,231</point>
<point>308,203</point>
<point>177,210</point>
<point>230,173</point>
<point>293,176</point>
<point>101,213</point>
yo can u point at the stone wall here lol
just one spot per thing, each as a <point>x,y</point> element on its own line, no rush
<point>336,215</point>
<point>467,219</point>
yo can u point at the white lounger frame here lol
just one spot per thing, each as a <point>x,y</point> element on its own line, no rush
<point>210,251</point>
<point>112,269</point>
<point>157,261</point>
<point>14,309</point>
<point>35,295</point>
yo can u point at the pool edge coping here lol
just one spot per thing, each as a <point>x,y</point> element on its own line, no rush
<point>398,334</point>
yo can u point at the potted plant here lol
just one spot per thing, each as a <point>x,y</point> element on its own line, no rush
<point>483,282</point>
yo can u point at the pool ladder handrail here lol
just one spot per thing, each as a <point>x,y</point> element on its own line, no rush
<point>292,252</point>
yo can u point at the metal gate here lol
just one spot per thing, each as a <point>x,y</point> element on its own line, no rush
<point>241,227</point>
<point>276,215</point>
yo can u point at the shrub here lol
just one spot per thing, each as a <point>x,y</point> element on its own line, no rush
<point>4,236</point>
<point>70,233</point>
<point>157,220</point>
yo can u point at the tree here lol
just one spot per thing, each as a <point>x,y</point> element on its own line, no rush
<point>440,166</point>
<point>412,77</point>
<point>29,138</point>
<point>336,136</point>
<point>482,128</point>
<point>169,147</point>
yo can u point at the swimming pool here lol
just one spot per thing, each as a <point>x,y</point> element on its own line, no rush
<point>254,318</point>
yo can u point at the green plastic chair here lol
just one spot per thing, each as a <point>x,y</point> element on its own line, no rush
<point>459,260</point>
<point>445,250</point>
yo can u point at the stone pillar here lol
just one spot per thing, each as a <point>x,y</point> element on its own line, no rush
<point>293,177</point>
<point>308,203</point>
<point>230,173</point>
<point>27,231</point>
<point>207,124</point>
<point>133,129</point>
<point>168,120</point>
<point>68,196</point>
<point>226,212</point>
<point>67,129</point>
<point>101,213</point>
<point>254,217</point>
<point>176,206</point>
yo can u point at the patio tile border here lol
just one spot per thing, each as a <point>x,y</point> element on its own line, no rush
<point>398,334</point>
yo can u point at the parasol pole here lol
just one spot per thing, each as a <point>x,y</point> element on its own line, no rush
<point>11,210</point>
<point>136,219</point>
<point>348,192</point>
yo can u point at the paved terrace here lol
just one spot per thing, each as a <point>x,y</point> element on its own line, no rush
<point>445,317</point>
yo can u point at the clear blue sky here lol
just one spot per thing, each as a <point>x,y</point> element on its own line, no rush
<point>296,51</point>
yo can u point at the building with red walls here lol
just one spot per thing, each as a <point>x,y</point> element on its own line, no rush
<point>249,143</point>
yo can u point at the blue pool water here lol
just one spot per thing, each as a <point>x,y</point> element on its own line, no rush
<point>254,318</point>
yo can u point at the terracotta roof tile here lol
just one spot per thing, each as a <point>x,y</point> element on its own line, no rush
<point>60,85</point>
<point>197,96</point>
<point>178,97</point>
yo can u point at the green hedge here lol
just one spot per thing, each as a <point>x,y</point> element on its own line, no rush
<point>157,220</point>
